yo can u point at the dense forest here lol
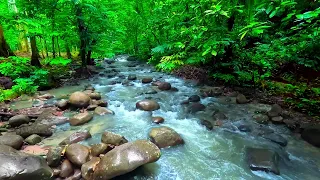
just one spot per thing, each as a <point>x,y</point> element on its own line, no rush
<point>268,45</point>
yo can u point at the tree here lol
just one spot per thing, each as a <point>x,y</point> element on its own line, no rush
<point>5,50</point>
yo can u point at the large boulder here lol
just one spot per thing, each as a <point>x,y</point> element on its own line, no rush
<point>164,86</point>
<point>79,99</point>
<point>78,154</point>
<point>14,141</point>
<point>95,95</point>
<point>312,135</point>
<point>88,168</point>
<point>19,120</point>
<point>113,139</point>
<point>80,119</point>
<point>126,158</point>
<point>165,137</point>
<point>17,165</point>
<point>102,111</point>
<point>40,129</point>
<point>147,105</point>
<point>262,160</point>
<point>66,168</point>
<point>76,137</point>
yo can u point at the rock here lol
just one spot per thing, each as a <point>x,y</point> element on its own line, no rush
<point>79,99</point>
<point>164,86</point>
<point>275,111</point>
<point>90,88</point>
<point>40,129</point>
<point>113,139</point>
<point>102,111</point>
<point>80,119</point>
<point>261,119</point>
<point>241,99</point>
<point>211,91</point>
<point>54,156</point>
<point>66,169</point>
<point>95,95</point>
<point>207,124</point>
<point>311,134</point>
<point>132,77</point>
<point>19,120</point>
<point>147,105</point>
<point>165,137</point>
<point>219,116</point>
<point>17,165</point>
<point>151,92</point>
<point>33,139</point>
<point>196,107</point>
<point>6,83</point>
<point>92,107</point>
<point>185,102</point>
<point>75,176</point>
<point>157,119</point>
<point>34,150</point>
<point>277,119</point>
<point>244,128</point>
<point>276,138</point>
<point>76,137</point>
<point>62,104</point>
<point>262,160</point>
<point>46,96</point>
<point>156,83</point>
<point>194,98</point>
<point>56,171</point>
<point>14,141</point>
<point>100,103</point>
<point>218,123</point>
<point>98,149</point>
<point>126,82</point>
<point>88,168</point>
<point>126,158</point>
<point>147,80</point>
<point>78,154</point>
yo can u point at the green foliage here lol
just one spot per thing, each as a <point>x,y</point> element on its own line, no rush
<point>59,61</point>
<point>15,67</point>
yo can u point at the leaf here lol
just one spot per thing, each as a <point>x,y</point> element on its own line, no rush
<point>243,34</point>
<point>214,53</point>
<point>273,13</point>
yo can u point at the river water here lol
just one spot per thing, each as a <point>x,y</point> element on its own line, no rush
<point>206,155</point>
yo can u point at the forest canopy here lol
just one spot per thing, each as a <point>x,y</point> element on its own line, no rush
<point>270,45</point>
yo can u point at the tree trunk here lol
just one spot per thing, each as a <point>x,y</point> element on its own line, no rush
<point>89,60</point>
<point>35,54</point>
<point>82,34</point>
<point>53,48</point>
<point>68,50</point>
<point>42,48</point>
<point>5,50</point>
<point>58,47</point>
<point>46,46</point>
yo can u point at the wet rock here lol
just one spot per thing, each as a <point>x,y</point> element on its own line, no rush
<point>261,119</point>
<point>165,137</point>
<point>62,104</point>
<point>262,160</point>
<point>76,137</point>
<point>164,86</point>
<point>264,130</point>
<point>75,176</point>
<point>40,129</point>
<point>92,107</point>
<point>211,91</point>
<point>276,138</point>
<point>90,88</point>
<point>78,154</point>
<point>80,119</point>
<point>291,123</point>
<point>147,105</point>
<point>244,128</point>
<point>147,80</point>
<point>33,139</point>
<point>14,141</point>
<point>126,83</point>
<point>218,123</point>
<point>6,83</point>
<point>194,98</point>
<point>19,120</point>
<point>132,77</point>
<point>66,169</point>
<point>54,156</point>
<point>17,165</point>
<point>275,111</point>
<point>196,107</point>
<point>98,149</point>
<point>174,89</point>
<point>126,158</point>
<point>241,99</point>
<point>219,116</point>
<point>88,168</point>
<point>151,92</point>
<point>95,95</point>
<point>46,96</point>
<point>113,139</point>
<point>156,83</point>
<point>56,171</point>
<point>102,111</point>
<point>185,102</point>
<point>79,99</point>
<point>100,103</point>
<point>207,124</point>
<point>311,134</point>
<point>157,119</point>
<point>277,119</point>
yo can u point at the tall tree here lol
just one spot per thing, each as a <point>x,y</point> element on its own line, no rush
<point>5,50</point>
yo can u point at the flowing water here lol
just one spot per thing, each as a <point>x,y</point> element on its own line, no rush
<point>206,155</point>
